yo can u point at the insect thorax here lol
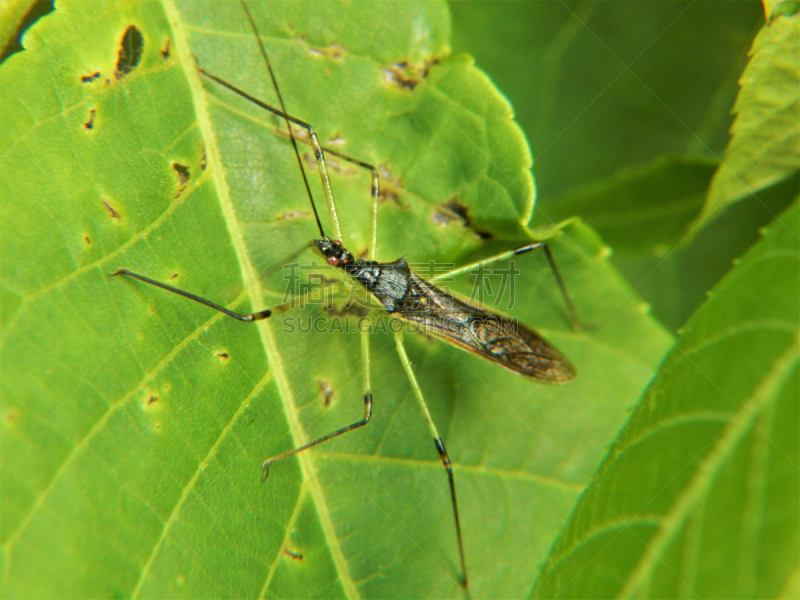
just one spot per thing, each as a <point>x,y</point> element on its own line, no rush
<point>388,282</point>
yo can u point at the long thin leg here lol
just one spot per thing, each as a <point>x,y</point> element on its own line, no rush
<point>319,151</point>
<point>437,440</point>
<point>375,190</point>
<point>318,155</point>
<point>367,412</point>
<point>573,314</point>
<point>247,318</point>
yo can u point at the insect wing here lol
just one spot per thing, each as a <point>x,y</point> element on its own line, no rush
<point>504,341</point>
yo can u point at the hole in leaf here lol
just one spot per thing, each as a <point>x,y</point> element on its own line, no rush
<point>390,188</point>
<point>293,555</point>
<point>130,51</point>
<point>111,210</point>
<point>89,124</point>
<point>453,210</point>
<point>334,50</point>
<point>407,76</point>
<point>184,173</point>
<point>90,78</point>
<point>326,390</point>
<point>14,42</point>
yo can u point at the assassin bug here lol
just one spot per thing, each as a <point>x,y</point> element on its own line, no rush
<point>405,295</point>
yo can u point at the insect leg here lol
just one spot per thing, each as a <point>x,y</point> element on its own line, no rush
<point>573,314</point>
<point>374,190</point>
<point>247,318</point>
<point>437,440</point>
<point>318,155</point>
<point>367,412</point>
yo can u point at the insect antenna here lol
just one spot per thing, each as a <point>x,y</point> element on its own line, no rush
<point>283,108</point>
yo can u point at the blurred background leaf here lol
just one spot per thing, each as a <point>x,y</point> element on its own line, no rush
<point>615,97</point>
<point>700,494</point>
<point>767,111</point>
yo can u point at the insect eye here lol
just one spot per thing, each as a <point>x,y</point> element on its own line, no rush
<point>332,261</point>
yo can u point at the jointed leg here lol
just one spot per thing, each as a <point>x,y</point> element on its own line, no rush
<point>374,191</point>
<point>319,155</point>
<point>573,314</point>
<point>248,318</point>
<point>367,412</point>
<point>437,440</point>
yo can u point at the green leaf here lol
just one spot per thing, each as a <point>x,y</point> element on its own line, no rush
<point>12,15</point>
<point>777,9</point>
<point>135,422</point>
<point>676,284</point>
<point>765,144</point>
<point>643,210</point>
<point>604,85</point>
<point>609,93</point>
<point>700,494</point>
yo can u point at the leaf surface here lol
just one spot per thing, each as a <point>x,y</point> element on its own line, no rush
<point>699,494</point>
<point>645,210</point>
<point>765,144</point>
<point>135,422</point>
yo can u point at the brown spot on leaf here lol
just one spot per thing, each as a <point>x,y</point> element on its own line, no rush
<point>407,76</point>
<point>90,78</point>
<point>130,51</point>
<point>292,214</point>
<point>334,50</point>
<point>293,555</point>
<point>223,355</point>
<point>87,240</point>
<point>333,165</point>
<point>184,174</point>
<point>111,210</point>
<point>89,124</point>
<point>326,390</point>
<point>453,210</point>
<point>391,188</point>
<point>165,50</point>
<point>151,400</point>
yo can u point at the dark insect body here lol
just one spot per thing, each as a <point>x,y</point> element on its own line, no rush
<point>405,295</point>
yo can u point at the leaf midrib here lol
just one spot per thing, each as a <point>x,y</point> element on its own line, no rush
<point>253,287</point>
